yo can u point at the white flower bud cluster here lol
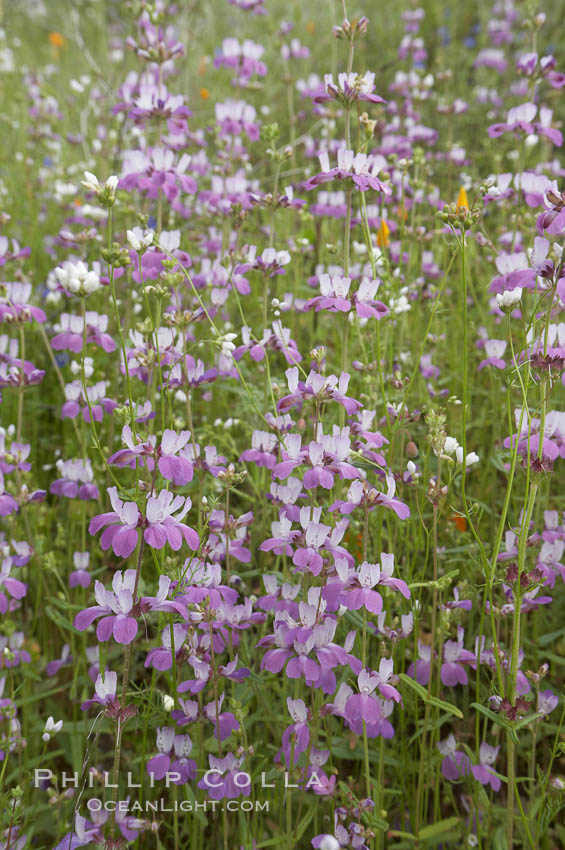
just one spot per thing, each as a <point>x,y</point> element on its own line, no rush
<point>509,299</point>
<point>76,367</point>
<point>140,240</point>
<point>77,278</point>
<point>168,703</point>
<point>105,192</point>
<point>225,343</point>
<point>451,446</point>
<point>51,729</point>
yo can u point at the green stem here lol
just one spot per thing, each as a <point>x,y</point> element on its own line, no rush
<point>119,323</point>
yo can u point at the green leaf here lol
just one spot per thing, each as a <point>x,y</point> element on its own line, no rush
<point>376,822</point>
<point>435,829</point>
<point>557,659</point>
<point>416,686</point>
<point>499,839</point>
<point>534,809</point>
<point>430,700</point>
<point>432,724</point>
<point>189,795</point>
<point>525,721</point>
<point>301,828</point>
<point>496,718</point>
<point>551,637</point>
<point>441,583</point>
<point>64,604</point>
<point>447,706</point>
<point>61,621</point>
<point>37,696</point>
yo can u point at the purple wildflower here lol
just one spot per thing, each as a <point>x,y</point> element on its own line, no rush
<point>483,772</point>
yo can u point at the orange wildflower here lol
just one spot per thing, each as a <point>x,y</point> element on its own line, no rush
<point>460,522</point>
<point>56,39</point>
<point>204,94</point>
<point>383,234</point>
<point>462,199</point>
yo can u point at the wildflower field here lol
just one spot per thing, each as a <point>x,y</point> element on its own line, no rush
<point>282,425</point>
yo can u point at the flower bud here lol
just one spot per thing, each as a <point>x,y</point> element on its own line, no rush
<point>509,299</point>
